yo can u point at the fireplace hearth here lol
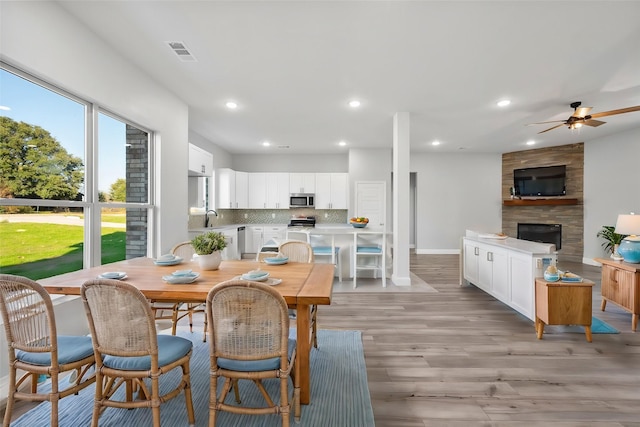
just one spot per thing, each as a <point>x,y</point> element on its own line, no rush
<point>542,233</point>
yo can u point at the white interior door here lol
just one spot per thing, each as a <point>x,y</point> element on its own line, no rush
<point>371,202</point>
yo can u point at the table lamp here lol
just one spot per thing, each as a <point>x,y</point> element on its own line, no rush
<point>630,246</point>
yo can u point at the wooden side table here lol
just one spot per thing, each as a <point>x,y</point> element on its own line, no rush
<point>621,285</point>
<point>563,303</point>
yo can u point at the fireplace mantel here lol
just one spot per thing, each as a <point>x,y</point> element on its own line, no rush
<point>539,202</point>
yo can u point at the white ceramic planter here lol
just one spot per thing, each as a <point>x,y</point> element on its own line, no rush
<point>211,261</point>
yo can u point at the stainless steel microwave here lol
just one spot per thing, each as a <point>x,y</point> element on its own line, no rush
<point>301,200</point>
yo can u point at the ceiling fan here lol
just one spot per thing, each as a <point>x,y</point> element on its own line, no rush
<point>581,117</point>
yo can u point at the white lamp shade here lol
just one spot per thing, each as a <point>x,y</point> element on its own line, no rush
<point>628,224</point>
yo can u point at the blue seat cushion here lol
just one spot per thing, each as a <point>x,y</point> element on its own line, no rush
<point>322,250</point>
<point>170,349</point>
<point>256,365</point>
<point>369,249</point>
<point>70,349</point>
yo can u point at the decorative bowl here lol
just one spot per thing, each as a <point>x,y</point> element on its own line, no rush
<point>359,224</point>
<point>551,277</point>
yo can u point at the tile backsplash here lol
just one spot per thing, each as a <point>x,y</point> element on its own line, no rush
<point>267,216</point>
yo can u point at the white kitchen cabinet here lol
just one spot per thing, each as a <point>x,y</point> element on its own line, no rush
<point>471,261</point>
<point>253,239</point>
<point>331,190</point>
<point>274,232</point>
<point>232,189</point>
<point>257,191</point>
<point>242,190</point>
<point>231,251</point>
<point>200,161</point>
<point>302,182</point>
<point>268,190</point>
<point>507,268</point>
<point>277,191</point>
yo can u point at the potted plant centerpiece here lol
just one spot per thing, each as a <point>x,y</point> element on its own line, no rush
<point>208,247</point>
<point>611,241</point>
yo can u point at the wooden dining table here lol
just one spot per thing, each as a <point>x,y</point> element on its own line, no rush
<point>302,285</point>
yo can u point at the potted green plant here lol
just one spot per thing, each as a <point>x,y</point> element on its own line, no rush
<point>611,240</point>
<point>208,246</point>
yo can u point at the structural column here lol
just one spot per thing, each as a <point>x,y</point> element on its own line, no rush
<point>401,202</point>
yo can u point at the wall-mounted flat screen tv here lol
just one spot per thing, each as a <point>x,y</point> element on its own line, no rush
<point>541,181</point>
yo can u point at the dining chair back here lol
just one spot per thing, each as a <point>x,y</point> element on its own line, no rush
<point>249,340</point>
<point>297,251</point>
<point>35,348</point>
<point>128,350</point>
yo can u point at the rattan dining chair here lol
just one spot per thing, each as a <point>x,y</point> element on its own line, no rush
<point>128,350</point>
<point>175,311</point>
<point>299,251</point>
<point>249,340</point>
<point>36,349</point>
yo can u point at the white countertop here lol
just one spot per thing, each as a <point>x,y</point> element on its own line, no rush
<point>524,246</point>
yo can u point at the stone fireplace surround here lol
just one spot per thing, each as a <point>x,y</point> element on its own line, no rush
<point>570,216</point>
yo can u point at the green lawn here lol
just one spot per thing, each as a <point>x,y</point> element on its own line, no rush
<point>42,250</point>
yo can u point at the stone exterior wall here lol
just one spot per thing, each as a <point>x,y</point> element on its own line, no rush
<point>137,176</point>
<point>570,216</point>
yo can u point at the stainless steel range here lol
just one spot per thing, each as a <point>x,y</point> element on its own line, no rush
<point>307,221</point>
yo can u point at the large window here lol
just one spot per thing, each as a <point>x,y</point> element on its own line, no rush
<point>74,181</point>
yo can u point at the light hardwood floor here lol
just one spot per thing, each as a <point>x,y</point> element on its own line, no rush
<point>458,357</point>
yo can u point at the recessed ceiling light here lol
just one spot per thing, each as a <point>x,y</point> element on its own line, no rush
<point>266,143</point>
<point>231,105</point>
<point>504,103</point>
<point>354,103</point>
<point>531,142</point>
<point>434,143</point>
<point>342,143</point>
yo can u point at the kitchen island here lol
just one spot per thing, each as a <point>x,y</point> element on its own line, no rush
<point>505,268</point>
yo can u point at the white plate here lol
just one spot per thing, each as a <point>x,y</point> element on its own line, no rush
<point>176,260</point>
<point>276,261</point>
<point>262,278</point>
<point>273,282</point>
<point>114,275</point>
<point>178,280</point>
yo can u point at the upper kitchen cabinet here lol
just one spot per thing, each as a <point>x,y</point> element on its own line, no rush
<point>232,189</point>
<point>269,190</point>
<point>200,161</point>
<point>302,182</point>
<point>331,190</point>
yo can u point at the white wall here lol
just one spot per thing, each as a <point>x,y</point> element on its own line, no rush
<point>371,165</point>
<point>291,162</point>
<point>455,192</point>
<point>221,157</point>
<point>611,185</point>
<point>44,40</point>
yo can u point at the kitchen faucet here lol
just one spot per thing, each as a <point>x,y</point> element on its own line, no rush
<point>206,217</point>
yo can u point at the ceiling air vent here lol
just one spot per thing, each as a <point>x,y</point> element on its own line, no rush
<point>283,146</point>
<point>181,50</point>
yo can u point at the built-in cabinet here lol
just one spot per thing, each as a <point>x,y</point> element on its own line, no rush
<point>233,188</point>
<point>302,182</point>
<point>506,269</point>
<point>257,236</point>
<point>269,190</point>
<point>331,190</point>
<point>200,161</point>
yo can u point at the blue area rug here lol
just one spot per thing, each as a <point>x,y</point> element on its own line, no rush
<point>339,393</point>
<point>597,327</point>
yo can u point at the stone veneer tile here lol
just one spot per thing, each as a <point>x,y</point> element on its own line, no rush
<point>571,216</point>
